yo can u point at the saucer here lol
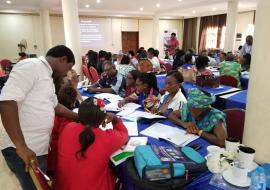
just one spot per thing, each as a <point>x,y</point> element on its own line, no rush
<point>228,176</point>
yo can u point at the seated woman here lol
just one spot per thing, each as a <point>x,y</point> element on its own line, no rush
<point>198,117</point>
<point>73,80</point>
<point>173,99</point>
<point>124,67</point>
<point>231,67</point>
<point>147,94</point>
<point>131,82</point>
<point>85,150</point>
<point>67,96</point>
<point>201,64</point>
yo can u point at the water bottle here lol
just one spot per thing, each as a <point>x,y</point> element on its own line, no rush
<point>258,179</point>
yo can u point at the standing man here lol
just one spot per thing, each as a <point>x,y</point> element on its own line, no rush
<point>247,47</point>
<point>28,105</point>
<point>172,45</point>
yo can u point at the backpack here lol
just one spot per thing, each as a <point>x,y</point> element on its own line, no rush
<point>164,168</point>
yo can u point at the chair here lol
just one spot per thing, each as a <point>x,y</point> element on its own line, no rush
<point>41,181</point>
<point>228,80</point>
<point>168,66</point>
<point>94,74</point>
<point>86,73</point>
<point>235,121</point>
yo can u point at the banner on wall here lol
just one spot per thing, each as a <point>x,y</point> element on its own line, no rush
<point>167,37</point>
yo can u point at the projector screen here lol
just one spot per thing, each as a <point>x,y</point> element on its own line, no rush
<point>90,33</point>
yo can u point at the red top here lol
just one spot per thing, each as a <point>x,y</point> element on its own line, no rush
<point>93,172</point>
<point>59,124</point>
<point>174,43</point>
<point>129,91</point>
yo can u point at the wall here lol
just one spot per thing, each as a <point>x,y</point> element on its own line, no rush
<point>244,25</point>
<point>13,29</point>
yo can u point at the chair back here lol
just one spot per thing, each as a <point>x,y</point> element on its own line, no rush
<point>168,66</point>
<point>86,72</point>
<point>235,122</point>
<point>40,180</point>
<point>228,81</point>
<point>94,74</point>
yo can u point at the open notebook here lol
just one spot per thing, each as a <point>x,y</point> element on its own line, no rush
<point>173,135</point>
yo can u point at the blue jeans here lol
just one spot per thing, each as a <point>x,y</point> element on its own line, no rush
<point>17,166</point>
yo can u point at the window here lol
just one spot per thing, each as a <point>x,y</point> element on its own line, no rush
<point>212,38</point>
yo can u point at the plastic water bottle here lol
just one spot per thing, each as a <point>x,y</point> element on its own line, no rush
<point>258,179</point>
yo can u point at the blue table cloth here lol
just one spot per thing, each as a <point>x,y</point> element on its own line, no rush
<point>161,80</point>
<point>222,89</point>
<point>238,100</point>
<point>200,183</point>
<point>244,79</point>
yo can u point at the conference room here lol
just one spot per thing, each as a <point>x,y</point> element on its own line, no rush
<point>134,95</point>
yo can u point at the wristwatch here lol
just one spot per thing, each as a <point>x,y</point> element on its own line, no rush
<point>200,132</point>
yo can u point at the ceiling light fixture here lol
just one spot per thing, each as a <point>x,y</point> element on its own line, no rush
<point>158,5</point>
<point>214,9</point>
<point>180,0</point>
<point>87,6</point>
<point>141,9</point>
<point>193,11</point>
<point>8,2</point>
<point>98,1</point>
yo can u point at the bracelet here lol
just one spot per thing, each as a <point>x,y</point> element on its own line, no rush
<point>200,132</point>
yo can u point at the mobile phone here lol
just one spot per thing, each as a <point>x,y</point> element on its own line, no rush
<point>195,146</point>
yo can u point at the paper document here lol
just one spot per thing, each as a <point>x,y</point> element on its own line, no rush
<point>121,155</point>
<point>132,128</point>
<point>173,135</point>
<point>108,96</point>
<point>137,115</point>
<point>134,142</point>
<point>127,108</point>
<point>84,97</point>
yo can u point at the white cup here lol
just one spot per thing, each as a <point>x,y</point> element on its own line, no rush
<point>232,144</point>
<point>239,173</point>
<point>246,156</point>
<point>214,153</point>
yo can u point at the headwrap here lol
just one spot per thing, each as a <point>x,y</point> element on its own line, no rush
<point>200,99</point>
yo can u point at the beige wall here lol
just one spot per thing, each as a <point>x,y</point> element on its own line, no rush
<point>244,25</point>
<point>13,29</point>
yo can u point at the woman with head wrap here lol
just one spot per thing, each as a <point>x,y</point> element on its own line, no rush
<point>198,117</point>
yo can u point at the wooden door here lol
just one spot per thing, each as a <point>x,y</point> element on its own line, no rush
<point>130,41</point>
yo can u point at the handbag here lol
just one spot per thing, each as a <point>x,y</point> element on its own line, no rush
<point>208,81</point>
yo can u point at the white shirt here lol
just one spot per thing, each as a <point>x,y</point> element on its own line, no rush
<point>155,63</point>
<point>176,103</point>
<point>212,61</point>
<point>30,84</point>
<point>246,49</point>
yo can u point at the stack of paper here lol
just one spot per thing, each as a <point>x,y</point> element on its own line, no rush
<point>108,96</point>
<point>132,128</point>
<point>121,155</point>
<point>127,108</point>
<point>137,115</point>
<point>173,135</point>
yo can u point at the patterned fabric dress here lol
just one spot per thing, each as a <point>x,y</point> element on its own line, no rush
<point>231,68</point>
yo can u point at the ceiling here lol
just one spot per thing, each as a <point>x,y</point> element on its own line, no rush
<point>131,8</point>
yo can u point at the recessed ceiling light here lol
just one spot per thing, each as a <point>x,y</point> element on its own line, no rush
<point>98,1</point>
<point>87,6</point>
<point>158,5</point>
<point>193,11</point>
<point>214,9</point>
<point>141,9</point>
<point>179,0</point>
<point>8,2</point>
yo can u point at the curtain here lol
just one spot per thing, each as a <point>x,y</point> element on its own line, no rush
<point>190,30</point>
<point>211,21</point>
